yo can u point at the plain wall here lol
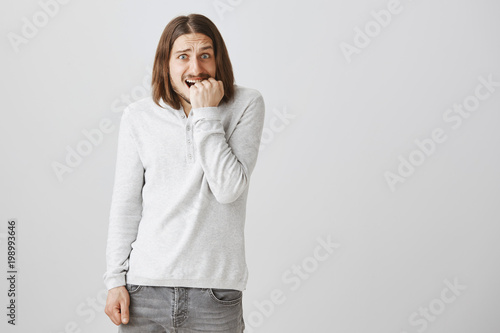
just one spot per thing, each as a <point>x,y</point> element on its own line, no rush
<point>356,93</point>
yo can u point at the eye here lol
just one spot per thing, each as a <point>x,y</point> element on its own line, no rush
<point>205,56</point>
<point>182,55</point>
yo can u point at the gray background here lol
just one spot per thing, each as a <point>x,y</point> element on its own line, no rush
<point>320,174</point>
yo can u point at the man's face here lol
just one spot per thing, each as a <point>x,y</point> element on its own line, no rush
<point>191,59</point>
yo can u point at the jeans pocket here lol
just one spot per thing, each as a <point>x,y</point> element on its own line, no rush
<point>226,296</point>
<point>132,288</point>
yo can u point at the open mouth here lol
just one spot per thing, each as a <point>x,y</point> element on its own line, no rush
<point>190,82</point>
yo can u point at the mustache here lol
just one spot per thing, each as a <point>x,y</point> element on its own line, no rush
<point>203,76</point>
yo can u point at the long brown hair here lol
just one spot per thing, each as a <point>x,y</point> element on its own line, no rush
<point>193,23</point>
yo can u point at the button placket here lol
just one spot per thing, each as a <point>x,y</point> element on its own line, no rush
<point>189,142</point>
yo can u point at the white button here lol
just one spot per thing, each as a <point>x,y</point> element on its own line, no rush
<point>188,128</point>
<point>183,116</point>
<point>189,141</point>
<point>189,155</point>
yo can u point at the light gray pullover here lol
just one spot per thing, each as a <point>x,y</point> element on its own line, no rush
<point>178,207</point>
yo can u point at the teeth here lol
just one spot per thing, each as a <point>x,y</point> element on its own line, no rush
<point>193,81</point>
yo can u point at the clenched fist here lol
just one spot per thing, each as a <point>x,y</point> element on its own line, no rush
<point>206,93</point>
<point>117,305</point>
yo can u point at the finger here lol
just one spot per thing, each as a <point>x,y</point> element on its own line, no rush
<point>124,312</point>
<point>206,83</point>
<point>115,316</point>
<point>113,313</point>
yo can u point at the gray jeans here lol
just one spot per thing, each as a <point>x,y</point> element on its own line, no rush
<point>183,310</point>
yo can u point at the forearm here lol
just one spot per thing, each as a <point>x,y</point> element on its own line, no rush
<point>121,234</point>
<point>228,164</point>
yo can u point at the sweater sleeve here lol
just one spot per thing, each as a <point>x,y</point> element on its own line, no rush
<point>228,164</point>
<point>126,205</point>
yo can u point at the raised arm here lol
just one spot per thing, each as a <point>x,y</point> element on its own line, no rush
<point>228,164</point>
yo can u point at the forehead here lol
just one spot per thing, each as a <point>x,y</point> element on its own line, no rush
<point>192,40</point>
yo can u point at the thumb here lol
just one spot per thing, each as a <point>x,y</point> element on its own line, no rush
<point>124,312</point>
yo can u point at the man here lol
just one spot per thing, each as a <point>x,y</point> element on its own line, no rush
<point>175,251</point>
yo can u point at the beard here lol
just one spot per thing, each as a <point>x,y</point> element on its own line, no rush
<point>181,95</point>
<point>174,87</point>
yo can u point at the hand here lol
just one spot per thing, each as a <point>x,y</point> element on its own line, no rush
<point>117,305</point>
<point>206,93</point>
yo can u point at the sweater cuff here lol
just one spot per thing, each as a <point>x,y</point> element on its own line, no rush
<point>209,113</point>
<point>115,281</point>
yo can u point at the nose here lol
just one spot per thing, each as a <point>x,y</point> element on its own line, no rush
<point>195,66</point>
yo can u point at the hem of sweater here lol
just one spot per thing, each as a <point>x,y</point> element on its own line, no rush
<point>191,283</point>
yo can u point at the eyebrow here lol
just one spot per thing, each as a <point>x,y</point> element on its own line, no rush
<point>202,49</point>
